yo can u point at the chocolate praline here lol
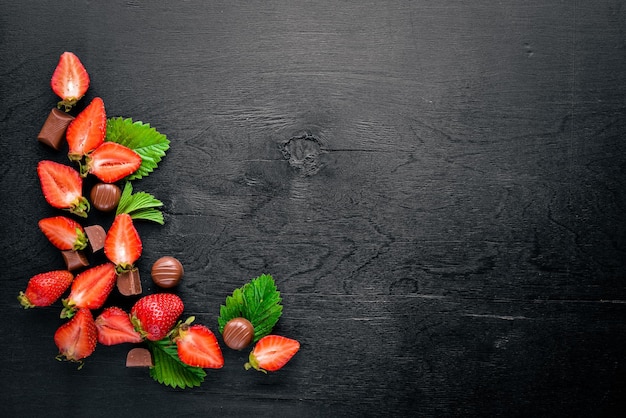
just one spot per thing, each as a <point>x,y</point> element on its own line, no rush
<point>105,196</point>
<point>238,333</point>
<point>167,272</point>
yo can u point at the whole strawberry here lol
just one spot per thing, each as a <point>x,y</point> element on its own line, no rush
<point>45,288</point>
<point>77,338</point>
<point>155,315</point>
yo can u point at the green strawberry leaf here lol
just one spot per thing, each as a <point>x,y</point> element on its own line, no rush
<point>169,370</point>
<point>258,301</point>
<point>141,138</point>
<point>140,205</point>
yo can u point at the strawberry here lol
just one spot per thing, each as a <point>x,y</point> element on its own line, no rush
<point>45,288</point>
<point>271,353</point>
<point>77,338</point>
<point>122,244</point>
<point>62,187</point>
<point>197,346</point>
<point>111,162</point>
<point>87,131</point>
<point>64,233</point>
<point>90,289</point>
<point>114,327</point>
<point>69,80</point>
<point>155,315</point>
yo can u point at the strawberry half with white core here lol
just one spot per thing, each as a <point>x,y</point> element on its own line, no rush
<point>271,353</point>
<point>62,187</point>
<point>45,288</point>
<point>90,289</point>
<point>114,327</point>
<point>64,233</point>
<point>155,315</point>
<point>122,244</point>
<point>197,346</point>
<point>111,162</point>
<point>87,131</point>
<point>77,338</point>
<point>70,80</point>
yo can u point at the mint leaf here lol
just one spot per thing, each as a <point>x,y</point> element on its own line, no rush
<point>140,205</point>
<point>258,301</point>
<point>141,138</point>
<point>169,370</point>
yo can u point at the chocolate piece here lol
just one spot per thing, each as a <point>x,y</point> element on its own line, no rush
<point>74,260</point>
<point>167,272</point>
<point>129,283</point>
<point>238,333</point>
<point>53,130</point>
<point>95,236</point>
<point>139,357</point>
<point>105,196</point>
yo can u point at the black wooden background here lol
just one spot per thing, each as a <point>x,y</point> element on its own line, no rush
<point>438,188</point>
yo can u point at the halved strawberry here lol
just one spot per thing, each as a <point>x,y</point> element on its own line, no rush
<point>122,244</point>
<point>69,80</point>
<point>114,327</point>
<point>90,289</point>
<point>271,353</point>
<point>45,288</point>
<point>62,187</point>
<point>111,162</point>
<point>77,338</point>
<point>155,315</point>
<point>87,131</point>
<point>197,346</point>
<point>64,233</point>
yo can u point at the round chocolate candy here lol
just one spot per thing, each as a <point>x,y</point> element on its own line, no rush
<point>167,272</point>
<point>238,333</point>
<point>105,196</point>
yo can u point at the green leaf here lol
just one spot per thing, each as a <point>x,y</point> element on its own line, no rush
<point>169,370</point>
<point>140,205</point>
<point>141,138</point>
<point>258,301</point>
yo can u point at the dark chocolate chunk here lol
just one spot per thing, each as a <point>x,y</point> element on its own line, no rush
<point>129,283</point>
<point>238,333</point>
<point>105,196</point>
<point>95,236</point>
<point>167,272</point>
<point>139,357</point>
<point>53,130</point>
<point>74,260</point>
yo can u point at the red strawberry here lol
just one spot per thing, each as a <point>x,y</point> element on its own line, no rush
<point>77,338</point>
<point>64,233</point>
<point>90,289</point>
<point>114,327</point>
<point>271,353</point>
<point>87,131</point>
<point>111,162</point>
<point>155,315</point>
<point>197,346</point>
<point>45,288</point>
<point>62,187</point>
<point>70,80</point>
<point>122,244</point>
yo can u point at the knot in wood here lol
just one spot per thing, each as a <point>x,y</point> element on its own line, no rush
<point>303,153</point>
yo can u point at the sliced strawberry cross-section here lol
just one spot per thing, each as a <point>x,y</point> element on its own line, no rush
<point>122,244</point>
<point>77,338</point>
<point>90,289</point>
<point>87,131</point>
<point>64,233</point>
<point>111,162</point>
<point>62,187</point>
<point>114,327</point>
<point>70,80</point>
<point>197,346</point>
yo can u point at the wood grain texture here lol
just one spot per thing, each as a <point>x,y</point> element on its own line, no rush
<point>437,187</point>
